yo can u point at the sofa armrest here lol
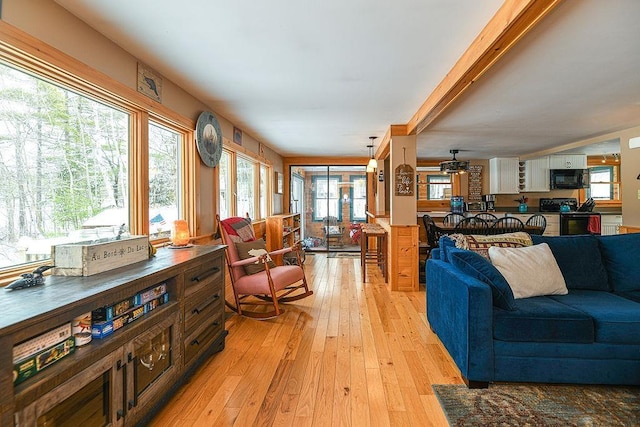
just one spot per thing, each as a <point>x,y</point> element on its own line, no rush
<point>460,312</point>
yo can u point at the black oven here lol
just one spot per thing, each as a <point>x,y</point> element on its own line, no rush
<point>579,223</point>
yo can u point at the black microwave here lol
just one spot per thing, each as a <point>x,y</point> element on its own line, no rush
<point>569,178</point>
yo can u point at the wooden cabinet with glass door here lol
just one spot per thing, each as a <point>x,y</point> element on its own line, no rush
<point>121,378</point>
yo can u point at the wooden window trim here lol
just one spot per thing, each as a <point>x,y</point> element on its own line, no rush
<point>34,56</point>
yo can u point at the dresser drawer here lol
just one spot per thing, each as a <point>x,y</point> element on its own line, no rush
<point>201,307</point>
<point>200,276</point>
<point>201,340</point>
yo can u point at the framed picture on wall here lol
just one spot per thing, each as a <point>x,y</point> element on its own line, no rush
<point>237,135</point>
<point>279,184</point>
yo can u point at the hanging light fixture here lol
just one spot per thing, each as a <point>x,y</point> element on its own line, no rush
<point>373,164</point>
<point>454,165</point>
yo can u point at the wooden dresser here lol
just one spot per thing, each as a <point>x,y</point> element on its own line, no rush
<point>128,374</point>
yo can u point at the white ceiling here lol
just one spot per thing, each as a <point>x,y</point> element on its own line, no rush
<point>318,78</point>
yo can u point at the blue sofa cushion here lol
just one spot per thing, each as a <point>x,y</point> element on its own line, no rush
<point>445,244</point>
<point>477,266</point>
<point>542,319</point>
<point>632,295</point>
<point>617,319</point>
<point>620,257</point>
<point>579,259</point>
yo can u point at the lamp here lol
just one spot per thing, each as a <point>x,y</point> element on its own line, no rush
<point>180,233</point>
<point>454,165</point>
<point>616,157</point>
<point>604,158</point>
<point>373,163</point>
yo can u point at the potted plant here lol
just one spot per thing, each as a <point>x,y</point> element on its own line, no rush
<point>522,204</point>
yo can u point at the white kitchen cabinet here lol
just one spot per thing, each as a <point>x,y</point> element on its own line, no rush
<point>568,161</point>
<point>610,224</point>
<point>553,224</point>
<point>504,175</point>
<point>535,175</point>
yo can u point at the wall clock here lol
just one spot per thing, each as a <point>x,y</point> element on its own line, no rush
<point>209,138</point>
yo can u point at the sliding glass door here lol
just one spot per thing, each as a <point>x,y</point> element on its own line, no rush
<point>333,202</point>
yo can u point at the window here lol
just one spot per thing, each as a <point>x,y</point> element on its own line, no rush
<point>358,198</point>
<point>244,186</point>
<point>245,182</point>
<point>63,166</point>
<point>226,190</point>
<point>326,197</point>
<point>264,191</point>
<point>432,184</point>
<point>604,183</point>
<point>164,179</point>
<point>439,187</point>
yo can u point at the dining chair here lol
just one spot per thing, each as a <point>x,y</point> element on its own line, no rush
<point>333,232</point>
<point>537,220</point>
<point>489,217</point>
<point>255,279</point>
<point>472,225</point>
<point>429,223</point>
<point>507,224</point>
<point>452,219</point>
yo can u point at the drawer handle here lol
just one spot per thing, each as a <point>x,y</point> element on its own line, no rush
<point>195,342</point>
<point>206,274</point>
<point>199,310</point>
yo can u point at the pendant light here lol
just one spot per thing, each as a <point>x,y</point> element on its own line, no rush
<point>373,164</point>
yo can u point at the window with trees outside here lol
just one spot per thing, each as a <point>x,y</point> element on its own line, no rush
<point>63,167</point>
<point>245,182</point>
<point>226,188</point>
<point>244,186</point>
<point>164,179</point>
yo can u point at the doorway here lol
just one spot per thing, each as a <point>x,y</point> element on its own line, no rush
<point>332,201</point>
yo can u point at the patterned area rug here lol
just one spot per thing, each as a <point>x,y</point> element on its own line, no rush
<point>540,405</point>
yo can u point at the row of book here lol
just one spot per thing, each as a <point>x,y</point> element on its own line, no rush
<point>107,320</point>
<point>38,353</point>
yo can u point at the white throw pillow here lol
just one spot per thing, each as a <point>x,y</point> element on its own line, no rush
<point>530,271</point>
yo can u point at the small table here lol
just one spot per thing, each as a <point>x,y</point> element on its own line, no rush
<point>377,255</point>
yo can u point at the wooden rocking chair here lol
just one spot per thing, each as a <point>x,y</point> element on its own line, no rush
<point>271,284</point>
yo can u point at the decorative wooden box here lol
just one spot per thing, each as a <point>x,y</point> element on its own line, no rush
<point>87,259</point>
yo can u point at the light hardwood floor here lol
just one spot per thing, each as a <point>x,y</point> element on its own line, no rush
<point>351,354</point>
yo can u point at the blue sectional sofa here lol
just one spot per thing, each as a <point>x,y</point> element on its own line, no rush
<point>589,336</point>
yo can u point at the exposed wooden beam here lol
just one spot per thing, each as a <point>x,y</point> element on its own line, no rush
<point>514,19</point>
<point>385,145</point>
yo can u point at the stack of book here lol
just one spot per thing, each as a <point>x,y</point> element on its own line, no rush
<point>38,353</point>
<point>106,320</point>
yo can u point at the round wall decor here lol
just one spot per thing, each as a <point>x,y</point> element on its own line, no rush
<point>209,138</point>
